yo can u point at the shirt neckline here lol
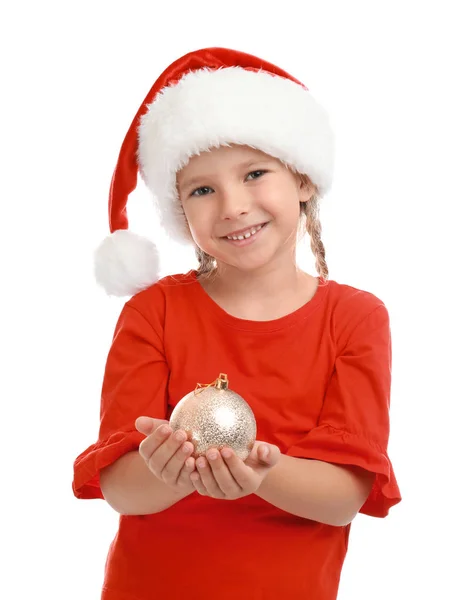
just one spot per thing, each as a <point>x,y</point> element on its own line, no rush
<point>205,301</point>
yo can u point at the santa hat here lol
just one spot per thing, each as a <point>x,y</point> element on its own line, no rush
<point>205,99</point>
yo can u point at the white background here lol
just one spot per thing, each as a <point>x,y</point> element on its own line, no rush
<point>73,76</point>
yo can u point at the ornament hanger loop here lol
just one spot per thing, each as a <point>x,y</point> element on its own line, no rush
<point>221,383</point>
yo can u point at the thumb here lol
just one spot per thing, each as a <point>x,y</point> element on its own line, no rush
<point>268,454</point>
<point>147,425</point>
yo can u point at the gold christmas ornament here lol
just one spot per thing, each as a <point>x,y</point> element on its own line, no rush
<point>214,417</point>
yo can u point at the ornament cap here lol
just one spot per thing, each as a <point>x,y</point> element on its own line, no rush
<point>222,382</point>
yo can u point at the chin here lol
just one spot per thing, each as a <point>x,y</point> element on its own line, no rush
<point>246,266</point>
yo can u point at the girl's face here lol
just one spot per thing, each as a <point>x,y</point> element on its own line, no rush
<point>242,206</point>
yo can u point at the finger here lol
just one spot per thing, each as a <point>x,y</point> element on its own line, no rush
<point>153,441</point>
<point>238,470</point>
<point>198,485</point>
<point>160,446</point>
<point>147,425</point>
<point>184,479</point>
<point>207,478</point>
<point>264,456</point>
<point>221,473</point>
<point>171,472</point>
<point>268,454</point>
<point>165,451</point>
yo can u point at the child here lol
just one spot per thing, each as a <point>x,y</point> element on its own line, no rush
<point>237,154</point>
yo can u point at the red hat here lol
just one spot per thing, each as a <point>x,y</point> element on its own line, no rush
<point>205,99</point>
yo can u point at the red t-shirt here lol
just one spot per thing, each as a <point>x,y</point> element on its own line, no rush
<point>318,381</point>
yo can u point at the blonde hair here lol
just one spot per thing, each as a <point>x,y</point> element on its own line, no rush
<point>207,264</point>
<point>309,222</point>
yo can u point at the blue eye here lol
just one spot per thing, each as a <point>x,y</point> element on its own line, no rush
<point>205,190</point>
<point>257,173</point>
<point>201,189</point>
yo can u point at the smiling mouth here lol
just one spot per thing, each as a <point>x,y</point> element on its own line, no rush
<point>245,233</point>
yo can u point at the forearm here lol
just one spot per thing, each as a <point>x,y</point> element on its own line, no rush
<point>316,490</point>
<point>131,489</point>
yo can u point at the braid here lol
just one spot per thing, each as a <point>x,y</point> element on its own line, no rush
<point>313,226</point>
<point>206,262</point>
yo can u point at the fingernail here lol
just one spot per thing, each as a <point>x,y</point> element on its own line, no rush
<point>265,451</point>
<point>201,463</point>
<point>213,455</point>
<point>226,453</point>
<point>180,436</point>
<point>165,430</point>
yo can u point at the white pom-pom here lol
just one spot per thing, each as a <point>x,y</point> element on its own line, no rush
<point>126,263</point>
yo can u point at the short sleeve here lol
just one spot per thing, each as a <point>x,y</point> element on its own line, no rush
<point>134,384</point>
<point>353,428</point>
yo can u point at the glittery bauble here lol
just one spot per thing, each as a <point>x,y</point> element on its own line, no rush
<point>213,417</point>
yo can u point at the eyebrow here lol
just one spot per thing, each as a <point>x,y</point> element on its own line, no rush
<point>244,165</point>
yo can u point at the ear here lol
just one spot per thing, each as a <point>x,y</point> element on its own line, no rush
<point>306,189</point>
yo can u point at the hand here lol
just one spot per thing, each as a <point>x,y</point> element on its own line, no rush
<point>224,476</point>
<point>166,453</point>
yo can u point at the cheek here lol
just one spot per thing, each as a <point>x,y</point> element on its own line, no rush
<point>190,214</point>
<point>282,204</point>
<point>198,221</point>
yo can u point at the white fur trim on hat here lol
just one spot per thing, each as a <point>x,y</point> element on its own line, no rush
<point>209,108</point>
<point>126,263</point>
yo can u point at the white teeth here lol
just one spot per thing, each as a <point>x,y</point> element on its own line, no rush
<point>246,235</point>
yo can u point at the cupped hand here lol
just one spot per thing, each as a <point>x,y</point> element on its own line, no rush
<point>222,475</point>
<point>167,453</point>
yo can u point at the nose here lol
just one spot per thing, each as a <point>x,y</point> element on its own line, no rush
<point>233,203</point>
